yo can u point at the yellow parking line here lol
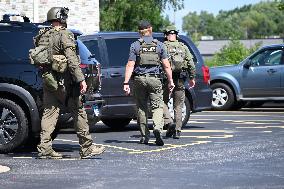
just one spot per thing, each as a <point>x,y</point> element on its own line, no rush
<point>238,115</point>
<point>199,122</point>
<point>243,112</point>
<point>214,136</point>
<point>261,127</point>
<point>252,123</point>
<point>23,157</point>
<point>170,147</point>
<point>200,119</point>
<point>254,120</point>
<point>206,131</point>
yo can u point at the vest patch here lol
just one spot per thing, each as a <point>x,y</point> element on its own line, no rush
<point>149,49</point>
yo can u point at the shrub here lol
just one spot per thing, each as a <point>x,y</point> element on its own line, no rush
<point>233,53</point>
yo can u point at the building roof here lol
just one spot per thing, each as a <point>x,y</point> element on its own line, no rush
<point>209,48</point>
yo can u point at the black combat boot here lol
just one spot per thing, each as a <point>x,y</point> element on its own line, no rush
<point>176,135</point>
<point>144,140</point>
<point>159,141</point>
<point>170,130</point>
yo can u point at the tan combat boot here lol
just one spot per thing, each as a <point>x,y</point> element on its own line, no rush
<point>51,155</point>
<point>96,150</point>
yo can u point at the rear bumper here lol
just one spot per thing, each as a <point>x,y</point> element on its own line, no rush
<point>202,100</point>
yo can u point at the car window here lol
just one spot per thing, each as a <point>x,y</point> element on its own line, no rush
<point>18,48</point>
<point>267,58</point>
<point>118,51</point>
<point>4,56</point>
<point>94,49</point>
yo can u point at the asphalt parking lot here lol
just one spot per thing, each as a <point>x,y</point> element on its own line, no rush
<point>236,149</point>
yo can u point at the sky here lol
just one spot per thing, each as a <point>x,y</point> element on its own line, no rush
<point>211,6</point>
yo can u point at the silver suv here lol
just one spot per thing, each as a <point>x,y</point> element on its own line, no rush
<point>258,79</point>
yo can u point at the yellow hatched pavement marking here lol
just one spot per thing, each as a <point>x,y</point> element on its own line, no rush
<point>105,145</point>
<point>171,146</point>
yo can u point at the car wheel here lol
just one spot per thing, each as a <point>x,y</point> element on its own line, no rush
<point>186,109</point>
<point>223,97</point>
<point>116,123</point>
<point>13,126</point>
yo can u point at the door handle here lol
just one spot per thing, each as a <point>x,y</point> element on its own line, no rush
<point>115,75</point>
<point>271,71</point>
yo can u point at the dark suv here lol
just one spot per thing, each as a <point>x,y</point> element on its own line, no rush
<point>112,50</point>
<point>21,84</point>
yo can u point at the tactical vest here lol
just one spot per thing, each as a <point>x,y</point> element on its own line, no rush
<point>42,54</point>
<point>177,54</point>
<point>148,54</point>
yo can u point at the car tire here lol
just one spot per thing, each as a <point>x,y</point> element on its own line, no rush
<point>186,110</point>
<point>116,123</point>
<point>14,127</point>
<point>223,97</point>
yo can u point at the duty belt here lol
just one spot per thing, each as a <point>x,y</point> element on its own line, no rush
<point>148,75</point>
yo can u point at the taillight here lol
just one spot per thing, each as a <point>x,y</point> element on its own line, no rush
<point>206,74</point>
<point>83,66</point>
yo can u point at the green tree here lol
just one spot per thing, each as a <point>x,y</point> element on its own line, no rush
<point>260,20</point>
<point>233,53</point>
<point>123,15</point>
<point>191,24</point>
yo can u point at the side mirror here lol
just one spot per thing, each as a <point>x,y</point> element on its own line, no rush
<point>91,56</point>
<point>247,64</point>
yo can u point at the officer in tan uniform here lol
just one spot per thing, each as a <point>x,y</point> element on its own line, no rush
<point>183,68</point>
<point>63,87</point>
<point>146,58</point>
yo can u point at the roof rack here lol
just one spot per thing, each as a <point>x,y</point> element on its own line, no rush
<point>9,18</point>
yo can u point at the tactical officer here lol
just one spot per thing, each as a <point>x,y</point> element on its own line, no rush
<point>146,58</point>
<point>63,87</point>
<point>183,68</point>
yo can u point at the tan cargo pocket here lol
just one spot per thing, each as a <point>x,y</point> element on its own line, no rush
<point>49,81</point>
<point>59,63</point>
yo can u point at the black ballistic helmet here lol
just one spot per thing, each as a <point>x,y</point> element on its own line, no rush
<point>58,13</point>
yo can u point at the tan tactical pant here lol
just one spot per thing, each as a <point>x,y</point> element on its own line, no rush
<point>52,102</point>
<point>148,88</point>
<point>178,96</point>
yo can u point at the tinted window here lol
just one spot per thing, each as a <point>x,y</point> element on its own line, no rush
<point>4,56</point>
<point>118,51</point>
<point>267,58</point>
<point>94,49</point>
<point>16,44</point>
